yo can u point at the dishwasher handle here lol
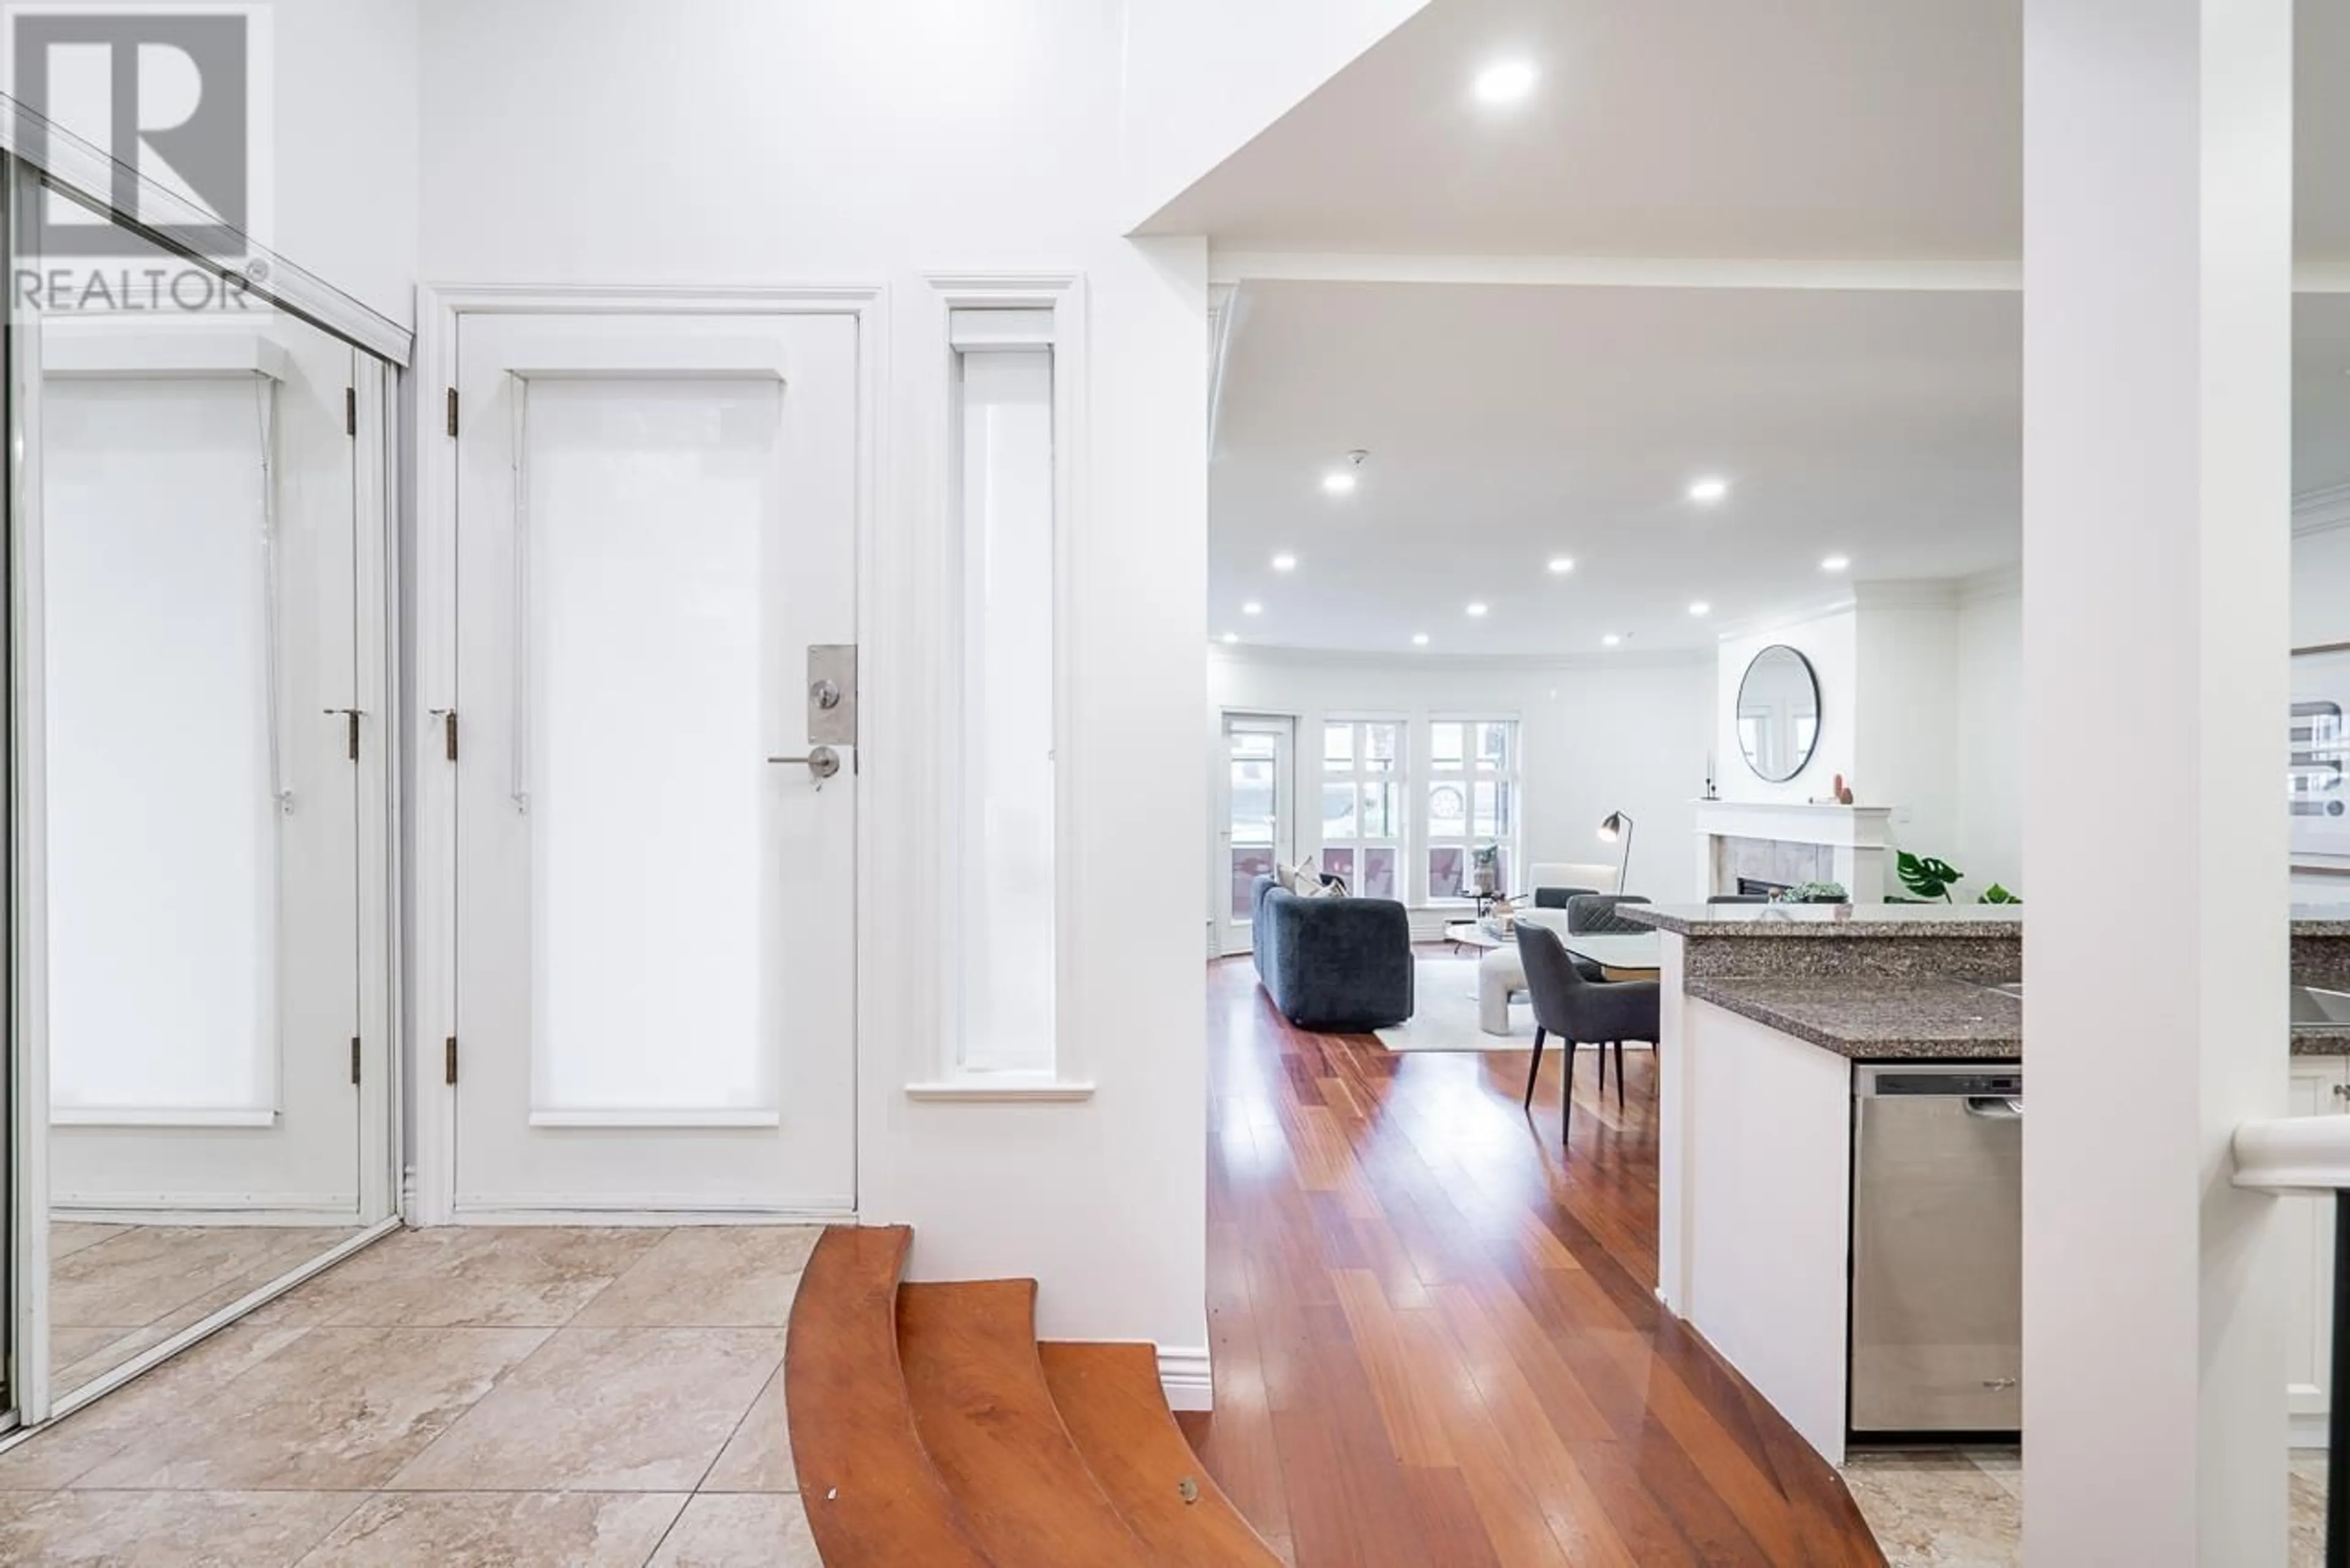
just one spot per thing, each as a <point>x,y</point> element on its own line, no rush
<point>1995,1107</point>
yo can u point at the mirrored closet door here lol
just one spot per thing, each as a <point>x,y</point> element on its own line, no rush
<point>202,794</point>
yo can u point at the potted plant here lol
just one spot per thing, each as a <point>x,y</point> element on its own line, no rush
<point>1815,893</point>
<point>1930,878</point>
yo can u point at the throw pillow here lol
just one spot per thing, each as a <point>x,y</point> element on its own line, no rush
<point>1284,877</point>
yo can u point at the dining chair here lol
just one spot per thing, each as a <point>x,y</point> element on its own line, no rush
<point>1593,914</point>
<point>1576,1010</point>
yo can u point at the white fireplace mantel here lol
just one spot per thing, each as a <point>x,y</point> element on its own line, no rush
<point>1854,836</point>
<point>1795,822</point>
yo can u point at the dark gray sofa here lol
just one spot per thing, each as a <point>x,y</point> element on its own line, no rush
<point>1340,964</point>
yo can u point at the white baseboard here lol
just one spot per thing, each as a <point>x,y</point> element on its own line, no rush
<point>1183,1378</point>
<point>499,1210</point>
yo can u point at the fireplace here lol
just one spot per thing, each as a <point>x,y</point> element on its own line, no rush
<point>1754,886</point>
<point>1764,846</point>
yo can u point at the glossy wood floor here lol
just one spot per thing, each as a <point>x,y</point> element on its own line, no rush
<point>1436,1339</point>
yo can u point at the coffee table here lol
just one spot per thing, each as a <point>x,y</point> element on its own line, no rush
<point>1474,934</point>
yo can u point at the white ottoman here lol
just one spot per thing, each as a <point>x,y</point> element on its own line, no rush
<point>1500,977</point>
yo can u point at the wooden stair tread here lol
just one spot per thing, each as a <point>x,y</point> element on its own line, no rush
<point>1110,1399</point>
<point>988,1419</point>
<point>872,1494</point>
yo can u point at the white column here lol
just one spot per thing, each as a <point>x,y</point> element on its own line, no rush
<point>2158,189</point>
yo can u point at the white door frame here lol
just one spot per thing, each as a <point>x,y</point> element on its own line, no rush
<point>432,1002</point>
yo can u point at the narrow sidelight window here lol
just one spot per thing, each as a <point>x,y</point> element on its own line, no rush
<point>1002,793</point>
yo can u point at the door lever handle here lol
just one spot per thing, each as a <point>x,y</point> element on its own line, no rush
<point>822,762</point>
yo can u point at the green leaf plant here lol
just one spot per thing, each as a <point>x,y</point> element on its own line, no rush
<point>1929,878</point>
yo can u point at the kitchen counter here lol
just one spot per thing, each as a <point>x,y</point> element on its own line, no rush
<point>1819,920</point>
<point>1918,1019</point>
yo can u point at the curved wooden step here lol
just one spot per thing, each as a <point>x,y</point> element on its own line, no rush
<point>1110,1399</point>
<point>969,1351</point>
<point>872,1494</point>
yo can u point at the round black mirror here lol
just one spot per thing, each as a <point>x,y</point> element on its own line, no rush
<point>1778,714</point>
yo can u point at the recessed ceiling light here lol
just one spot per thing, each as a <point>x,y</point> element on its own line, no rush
<point>1232,636</point>
<point>1612,639</point>
<point>1477,607</point>
<point>1699,607</point>
<point>1562,564</point>
<point>1339,483</point>
<point>1251,608</point>
<point>1284,562</point>
<point>1506,81</point>
<point>1834,563</point>
<point>1420,639</point>
<point>1707,491</point>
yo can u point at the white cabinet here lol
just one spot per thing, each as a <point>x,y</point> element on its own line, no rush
<point>2320,1086</point>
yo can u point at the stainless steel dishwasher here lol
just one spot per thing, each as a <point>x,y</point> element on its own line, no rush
<point>1936,1249</point>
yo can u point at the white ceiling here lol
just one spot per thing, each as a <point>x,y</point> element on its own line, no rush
<point>1507,425</point>
<point>1798,130</point>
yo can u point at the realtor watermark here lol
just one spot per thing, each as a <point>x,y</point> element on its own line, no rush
<point>166,107</point>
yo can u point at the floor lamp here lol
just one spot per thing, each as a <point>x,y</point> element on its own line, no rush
<point>1618,829</point>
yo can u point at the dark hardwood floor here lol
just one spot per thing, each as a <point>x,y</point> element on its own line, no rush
<point>1436,1339</point>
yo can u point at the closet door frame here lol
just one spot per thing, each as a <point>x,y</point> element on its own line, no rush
<point>376,497</point>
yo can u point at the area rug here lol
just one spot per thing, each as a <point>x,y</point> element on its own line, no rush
<point>1444,1015</point>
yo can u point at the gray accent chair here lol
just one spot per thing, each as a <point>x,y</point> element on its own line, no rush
<point>1337,964</point>
<point>1593,914</point>
<point>1573,1008</point>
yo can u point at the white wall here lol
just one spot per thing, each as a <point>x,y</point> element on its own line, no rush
<point>741,141</point>
<point>1906,754</point>
<point>1204,77</point>
<point>348,108</point>
<point>1597,735</point>
<point>1988,844</point>
<point>1830,642</point>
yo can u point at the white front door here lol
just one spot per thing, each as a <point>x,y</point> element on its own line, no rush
<point>655,899</point>
<point>200,769</point>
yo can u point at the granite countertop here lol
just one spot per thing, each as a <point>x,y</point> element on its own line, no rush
<point>1928,1018</point>
<point>1893,920</point>
<point>1829,919</point>
<point>1918,1017</point>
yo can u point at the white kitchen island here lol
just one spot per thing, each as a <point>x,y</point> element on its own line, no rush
<point>1767,1009</point>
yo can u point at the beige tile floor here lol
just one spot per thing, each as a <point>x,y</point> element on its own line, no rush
<point>1965,1510</point>
<point>564,1398</point>
<point>117,1290</point>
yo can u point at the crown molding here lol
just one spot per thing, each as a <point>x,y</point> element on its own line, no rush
<point>1906,593</point>
<point>1277,656</point>
<point>1999,583</point>
<point>1771,623</point>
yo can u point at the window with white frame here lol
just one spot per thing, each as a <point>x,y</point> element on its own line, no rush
<point>1363,784</point>
<point>1001,792</point>
<point>1472,806</point>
